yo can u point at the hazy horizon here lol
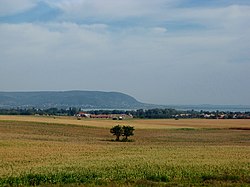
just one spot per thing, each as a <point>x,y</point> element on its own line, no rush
<point>169,52</point>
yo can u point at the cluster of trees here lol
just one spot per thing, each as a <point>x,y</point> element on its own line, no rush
<point>33,111</point>
<point>141,113</point>
<point>155,113</point>
<point>124,131</point>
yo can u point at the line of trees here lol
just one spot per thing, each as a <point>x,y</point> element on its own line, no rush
<point>33,111</point>
<point>141,113</point>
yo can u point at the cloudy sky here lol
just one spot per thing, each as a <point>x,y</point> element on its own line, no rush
<point>159,51</point>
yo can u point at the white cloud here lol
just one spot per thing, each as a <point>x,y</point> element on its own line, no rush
<point>231,17</point>
<point>148,60</point>
<point>109,9</point>
<point>32,43</point>
<point>9,7</point>
<point>159,30</point>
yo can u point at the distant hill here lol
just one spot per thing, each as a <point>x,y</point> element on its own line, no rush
<point>64,99</point>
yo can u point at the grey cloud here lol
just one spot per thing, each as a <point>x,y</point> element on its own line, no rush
<point>9,7</point>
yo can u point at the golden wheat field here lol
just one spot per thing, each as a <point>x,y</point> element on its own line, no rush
<point>65,151</point>
<point>137,123</point>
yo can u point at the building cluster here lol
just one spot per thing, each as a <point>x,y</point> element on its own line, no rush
<point>80,115</point>
<point>215,115</point>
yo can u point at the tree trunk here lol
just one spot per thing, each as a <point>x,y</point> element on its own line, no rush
<point>117,138</point>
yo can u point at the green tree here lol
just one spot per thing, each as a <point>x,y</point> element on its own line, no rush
<point>117,131</point>
<point>128,131</point>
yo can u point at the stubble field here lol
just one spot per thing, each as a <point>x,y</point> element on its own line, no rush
<point>65,151</point>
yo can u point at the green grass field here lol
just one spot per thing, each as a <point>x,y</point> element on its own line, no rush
<point>198,152</point>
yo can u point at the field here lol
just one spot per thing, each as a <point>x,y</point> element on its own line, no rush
<point>64,151</point>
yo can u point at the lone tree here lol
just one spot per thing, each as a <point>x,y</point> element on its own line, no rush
<point>122,131</point>
<point>128,131</point>
<point>117,131</point>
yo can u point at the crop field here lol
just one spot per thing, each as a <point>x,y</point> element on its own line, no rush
<point>137,123</point>
<point>48,151</point>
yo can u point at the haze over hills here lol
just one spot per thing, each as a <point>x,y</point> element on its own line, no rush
<point>94,100</point>
<point>64,99</point>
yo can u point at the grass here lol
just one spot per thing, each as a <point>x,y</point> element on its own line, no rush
<point>42,153</point>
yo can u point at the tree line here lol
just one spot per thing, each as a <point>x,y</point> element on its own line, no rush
<point>33,111</point>
<point>140,113</point>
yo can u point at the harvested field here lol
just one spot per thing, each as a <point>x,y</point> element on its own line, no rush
<point>35,151</point>
<point>137,123</point>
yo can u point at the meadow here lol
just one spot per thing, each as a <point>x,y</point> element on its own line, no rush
<point>56,151</point>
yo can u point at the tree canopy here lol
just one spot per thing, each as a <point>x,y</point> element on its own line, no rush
<point>119,131</point>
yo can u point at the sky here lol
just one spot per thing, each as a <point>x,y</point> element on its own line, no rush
<point>158,51</point>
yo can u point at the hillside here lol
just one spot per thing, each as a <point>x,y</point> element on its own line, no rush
<point>64,99</point>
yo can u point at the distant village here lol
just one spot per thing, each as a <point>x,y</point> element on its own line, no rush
<point>215,115</point>
<point>161,114</point>
<point>80,115</point>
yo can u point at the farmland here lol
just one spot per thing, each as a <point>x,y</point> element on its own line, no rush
<point>38,150</point>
